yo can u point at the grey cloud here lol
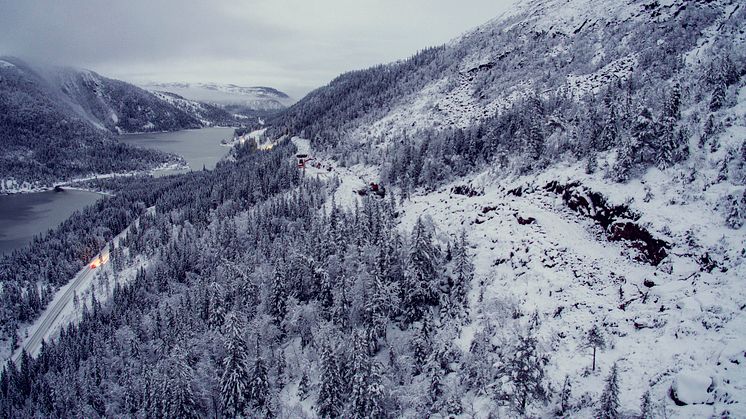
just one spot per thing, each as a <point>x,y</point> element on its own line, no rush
<point>290,44</point>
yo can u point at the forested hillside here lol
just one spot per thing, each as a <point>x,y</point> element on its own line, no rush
<point>59,123</point>
<point>542,218</point>
<point>45,141</point>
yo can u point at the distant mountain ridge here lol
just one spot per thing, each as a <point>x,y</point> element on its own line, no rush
<point>255,98</point>
<point>57,123</point>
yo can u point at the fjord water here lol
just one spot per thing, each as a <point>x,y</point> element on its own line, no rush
<point>22,216</point>
<point>199,147</point>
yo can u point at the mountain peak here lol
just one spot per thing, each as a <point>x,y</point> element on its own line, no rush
<point>259,98</point>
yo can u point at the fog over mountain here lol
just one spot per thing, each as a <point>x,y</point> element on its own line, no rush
<point>542,217</point>
<point>293,45</point>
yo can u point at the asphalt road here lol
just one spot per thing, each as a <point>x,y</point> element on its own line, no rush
<point>32,344</point>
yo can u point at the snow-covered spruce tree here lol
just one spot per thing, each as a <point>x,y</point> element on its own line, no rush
<point>625,160</point>
<point>258,386</point>
<point>592,164</point>
<point>376,392</point>
<point>422,345</point>
<point>435,383</point>
<point>421,275</point>
<point>609,404</point>
<point>594,339</point>
<point>236,377</point>
<point>565,397</point>
<point>736,211</point>
<point>646,406</point>
<point>182,402</point>
<point>478,368</point>
<point>644,136</point>
<point>666,150</point>
<point>525,374</point>
<point>330,399</point>
<point>277,303</point>
<point>377,306</point>
<point>215,311</point>
<point>463,273</point>
<point>360,368</point>
<point>610,130</point>
<point>303,390</point>
<point>718,97</point>
<point>367,392</point>
<point>707,131</point>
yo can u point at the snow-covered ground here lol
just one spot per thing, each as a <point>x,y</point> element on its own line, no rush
<point>672,326</point>
<point>12,186</point>
<point>663,323</point>
<point>67,304</point>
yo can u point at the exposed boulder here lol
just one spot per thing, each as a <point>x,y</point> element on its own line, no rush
<point>466,190</point>
<point>619,222</point>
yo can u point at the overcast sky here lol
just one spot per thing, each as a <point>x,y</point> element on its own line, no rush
<point>293,45</point>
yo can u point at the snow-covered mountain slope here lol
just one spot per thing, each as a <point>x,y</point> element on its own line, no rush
<point>556,246</point>
<point>569,48</point>
<point>256,98</point>
<point>207,114</point>
<point>653,257</point>
<point>118,106</point>
<point>666,323</point>
<point>48,136</point>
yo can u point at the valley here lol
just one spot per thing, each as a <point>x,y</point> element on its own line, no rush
<point>542,217</point>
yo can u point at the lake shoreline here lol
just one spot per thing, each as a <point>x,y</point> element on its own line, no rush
<point>67,183</point>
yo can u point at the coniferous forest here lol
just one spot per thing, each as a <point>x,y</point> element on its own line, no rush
<point>541,218</point>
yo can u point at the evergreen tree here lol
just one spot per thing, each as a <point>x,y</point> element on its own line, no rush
<point>215,309</point>
<point>525,373</point>
<point>625,160</point>
<point>278,295</point>
<point>592,164</point>
<point>422,346</point>
<point>707,131</point>
<point>565,397</point>
<point>435,387</point>
<point>463,273</point>
<point>329,402</point>
<point>643,136</point>
<point>718,97</point>
<point>366,396</point>
<point>479,371</point>
<point>342,305</point>
<point>594,339</point>
<point>609,405</point>
<point>182,401</point>
<point>303,389</point>
<point>646,406</point>
<point>610,131</point>
<point>258,386</point>
<point>418,288</point>
<point>236,378</point>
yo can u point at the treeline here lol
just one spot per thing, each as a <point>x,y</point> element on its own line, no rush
<point>635,112</point>
<point>31,276</point>
<point>44,142</point>
<point>239,305</point>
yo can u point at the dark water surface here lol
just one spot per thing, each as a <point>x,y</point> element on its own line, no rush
<point>22,216</point>
<point>199,147</point>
